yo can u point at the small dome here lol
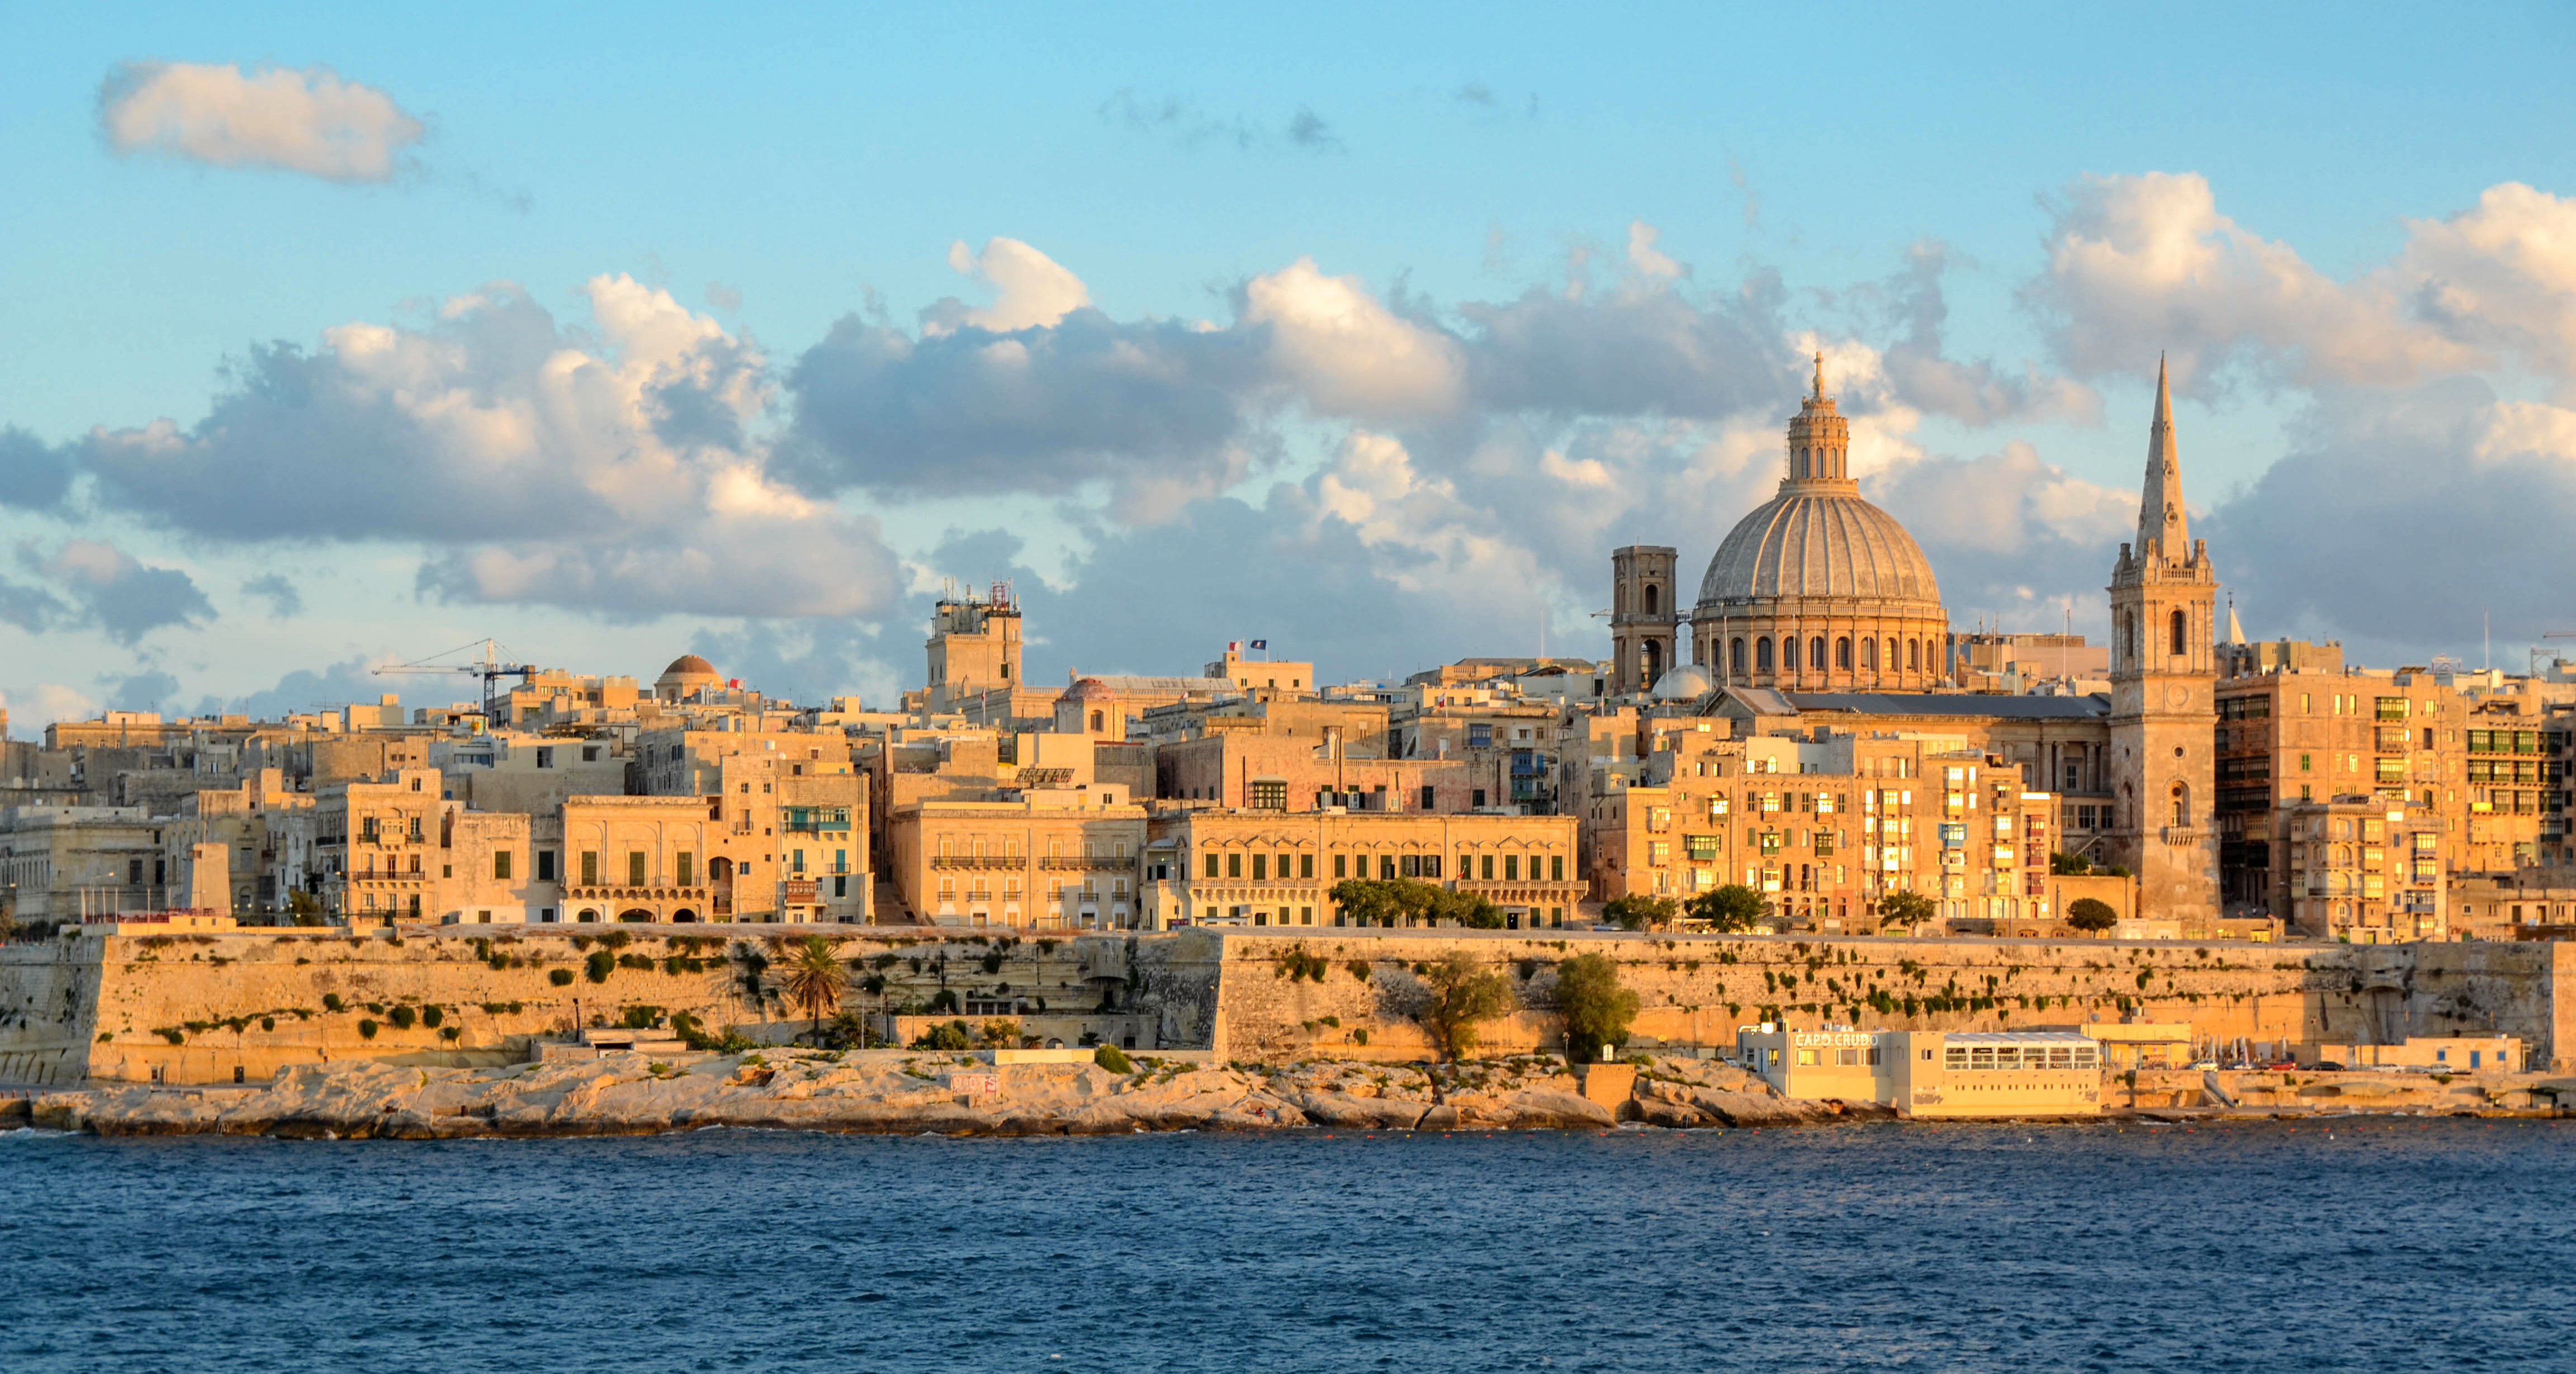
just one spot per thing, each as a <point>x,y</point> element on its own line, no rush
<point>689,665</point>
<point>1087,688</point>
<point>1686,682</point>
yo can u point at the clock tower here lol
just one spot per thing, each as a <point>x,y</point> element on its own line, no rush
<point>2163,695</point>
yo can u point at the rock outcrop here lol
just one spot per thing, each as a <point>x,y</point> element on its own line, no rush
<point>632,1093</point>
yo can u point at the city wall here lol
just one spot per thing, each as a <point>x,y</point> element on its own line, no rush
<point>202,1008</point>
<point>1286,994</point>
<point>205,1008</point>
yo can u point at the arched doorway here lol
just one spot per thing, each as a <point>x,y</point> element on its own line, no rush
<point>684,916</point>
<point>588,914</point>
<point>1654,655</point>
<point>634,915</point>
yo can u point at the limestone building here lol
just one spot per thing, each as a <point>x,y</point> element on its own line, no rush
<point>1818,590</point>
<point>2164,676</point>
<point>1644,619</point>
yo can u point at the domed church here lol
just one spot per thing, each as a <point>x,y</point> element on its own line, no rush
<point>1816,590</point>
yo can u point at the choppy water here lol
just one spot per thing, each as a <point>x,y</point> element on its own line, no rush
<point>2401,1245</point>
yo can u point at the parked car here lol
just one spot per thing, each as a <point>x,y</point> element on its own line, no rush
<point>2326,1066</point>
<point>2202,1064</point>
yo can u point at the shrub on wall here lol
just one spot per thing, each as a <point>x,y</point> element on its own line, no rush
<point>402,1017</point>
<point>366,1029</point>
<point>600,964</point>
<point>561,977</point>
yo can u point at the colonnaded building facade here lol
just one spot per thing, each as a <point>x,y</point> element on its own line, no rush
<point>1819,612</point>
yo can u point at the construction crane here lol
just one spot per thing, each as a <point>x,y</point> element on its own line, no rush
<point>490,669</point>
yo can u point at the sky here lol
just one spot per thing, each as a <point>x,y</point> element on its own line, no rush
<point>331,338</point>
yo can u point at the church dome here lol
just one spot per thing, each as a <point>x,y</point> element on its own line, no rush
<point>1822,544</point>
<point>689,665</point>
<point>1818,590</point>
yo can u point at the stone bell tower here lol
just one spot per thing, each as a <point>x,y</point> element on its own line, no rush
<point>1643,623</point>
<point>2164,676</point>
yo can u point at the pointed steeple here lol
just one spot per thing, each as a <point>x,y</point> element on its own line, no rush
<point>2161,522</point>
<point>2235,632</point>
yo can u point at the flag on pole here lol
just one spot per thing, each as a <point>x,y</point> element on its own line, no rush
<point>1261,644</point>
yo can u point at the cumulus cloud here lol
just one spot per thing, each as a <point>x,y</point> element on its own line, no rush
<point>307,120</point>
<point>2399,518</point>
<point>2501,276</point>
<point>604,468</point>
<point>148,690</point>
<point>1975,393</point>
<point>33,475</point>
<point>1348,354</point>
<point>2139,263</point>
<point>1030,289</point>
<point>114,592</point>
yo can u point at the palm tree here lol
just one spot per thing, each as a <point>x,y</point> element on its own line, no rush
<point>814,978</point>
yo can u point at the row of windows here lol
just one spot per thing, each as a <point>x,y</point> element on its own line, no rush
<point>1868,661</point>
<point>1976,1057</point>
<point>1231,864</point>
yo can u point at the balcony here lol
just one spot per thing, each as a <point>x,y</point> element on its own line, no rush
<point>1086,863</point>
<point>978,861</point>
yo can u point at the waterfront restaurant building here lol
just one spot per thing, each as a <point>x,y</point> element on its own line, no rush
<point>1931,1073</point>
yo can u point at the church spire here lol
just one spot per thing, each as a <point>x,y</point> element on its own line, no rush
<point>1820,374</point>
<point>2161,521</point>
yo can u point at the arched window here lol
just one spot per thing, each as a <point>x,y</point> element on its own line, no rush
<point>1816,653</point>
<point>1890,660</point>
<point>1869,653</point>
<point>1654,661</point>
<point>2181,800</point>
<point>1842,654</point>
<point>1652,598</point>
<point>1095,720</point>
<point>2128,640</point>
<point>1914,655</point>
<point>1735,654</point>
<point>2181,633</point>
<point>1762,654</point>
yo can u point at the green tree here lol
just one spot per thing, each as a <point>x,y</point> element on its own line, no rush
<point>1463,992</point>
<point>2091,915</point>
<point>1409,901</point>
<point>1637,911</point>
<point>814,978</point>
<point>1732,907</point>
<point>2069,865</point>
<point>948,1035</point>
<point>303,908</point>
<point>1905,909</point>
<point>999,1034</point>
<point>1597,1010</point>
<point>1367,902</point>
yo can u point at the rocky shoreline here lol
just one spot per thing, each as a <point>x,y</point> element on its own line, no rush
<point>895,1091</point>
<point>964,1093</point>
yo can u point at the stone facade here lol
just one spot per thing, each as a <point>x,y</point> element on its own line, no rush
<point>1817,589</point>
<point>2163,694</point>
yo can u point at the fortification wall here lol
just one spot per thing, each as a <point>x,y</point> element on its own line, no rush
<point>205,1008</point>
<point>202,1009</point>
<point>1284,994</point>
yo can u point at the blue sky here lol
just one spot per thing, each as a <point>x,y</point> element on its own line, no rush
<point>780,172</point>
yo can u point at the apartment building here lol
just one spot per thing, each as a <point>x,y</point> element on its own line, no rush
<point>1826,827</point>
<point>1038,859</point>
<point>2474,753</point>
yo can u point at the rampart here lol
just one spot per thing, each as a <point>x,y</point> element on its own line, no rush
<point>241,1006</point>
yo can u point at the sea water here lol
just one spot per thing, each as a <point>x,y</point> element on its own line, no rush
<point>2396,1244</point>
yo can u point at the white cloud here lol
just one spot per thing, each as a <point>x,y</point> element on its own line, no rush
<point>1031,290</point>
<point>1346,352</point>
<point>307,120</point>
<point>2142,263</point>
<point>2501,276</point>
<point>611,468</point>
